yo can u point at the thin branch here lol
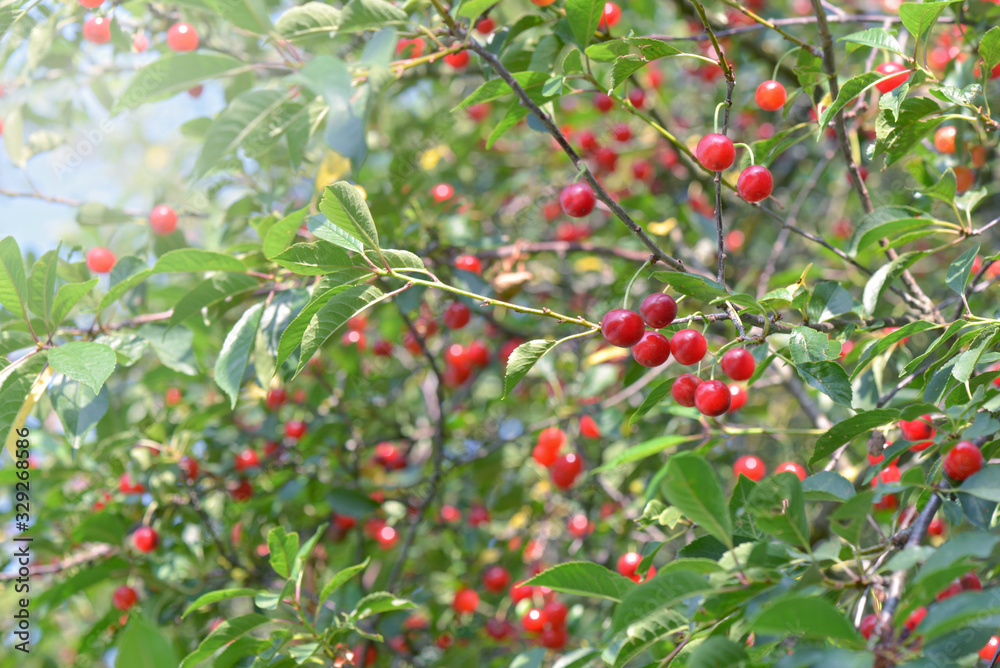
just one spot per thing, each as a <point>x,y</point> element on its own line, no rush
<point>87,554</point>
<point>814,50</point>
<point>799,20</point>
<point>562,247</point>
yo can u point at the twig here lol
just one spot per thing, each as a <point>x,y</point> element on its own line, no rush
<point>561,247</point>
<point>814,50</point>
<point>91,553</point>
<point>798,20</point>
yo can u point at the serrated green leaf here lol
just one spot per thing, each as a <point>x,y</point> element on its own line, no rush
<point>216,596</point>
<point>959,270</point>
<point>847,430</point>
<point>344,207</point>
<point>583,17</point>
<point>84,361</point>
<point>691,485</point>
<point>333,315</point>
<point>584,578</point>
<point>234,356</point>
<point>173,74</point>
<point>522,359</point>
<point>283,547</point>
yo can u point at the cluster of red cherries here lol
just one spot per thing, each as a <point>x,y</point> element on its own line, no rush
<point>564,469</point>
<point>627,329</point>
<point>162,222</point>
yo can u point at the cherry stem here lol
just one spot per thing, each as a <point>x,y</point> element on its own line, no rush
<point>749,150</point>
<point>635,276</point>
<point>717,108</point>
<point>777,65</point>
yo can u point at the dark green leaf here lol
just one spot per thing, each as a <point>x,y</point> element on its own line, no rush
<point>829,378</point>
<point>807,616</point>
<point>522,359</point>
<point>583,17</point>
<point>848,92</point>
<point>959,270</point>
<point>691,485</point>
<point>717,652</point>
<point>216,596</point>
<point>345,208</point>
<point>692,285</point>
<point>143,645</point>
<point>13,280</point>
<point>584,578</point>
<point>847,430</point>
<point>235,353</point>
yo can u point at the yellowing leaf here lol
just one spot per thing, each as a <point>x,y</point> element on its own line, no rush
<point>609,354</point>
<point>332,168</point>
<point>662,228</point>
<point>430,158</point>
<point>37,389</point>
<point>589,263</point>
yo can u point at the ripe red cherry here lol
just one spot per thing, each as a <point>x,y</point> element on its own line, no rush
<point>611,15</point>
<point>971,582</point>
<point>962,461</point>
<point>579,525</point>
<point>127,486</point>
<point>519,592</point>
<point>478,515</point>
<point>295,429</point>
<point>145,539</point>
<point>565,470</point>
<point>450,514</point>
<point>551,438</point>
<point>496,579</point>
<point>964,178</point>
<point>751,466</point>
<point>246,459</point>
<point>953,589</point>
<point>544,457</point>
<point>485,26</point>
<point>534,620</point>
<point>276,398</point>
<point>97,29</point>
<point>140,42</point>
<point>469,263</point>
<point>556,613</point>
<point>792,467</point>
<point>944,139</point>
<point>163,220</point>
<point>684,388</point>
<point>442,192</point>
<point>936,527</point>
<point>894,82</point>
<point>738,363</point>
<point>621,327</point>
<point>770,95</point>
<point>637,97</point>
<point>919,431</point>
<point>658,310</point>
<point>868,625</point>
<point>387,537</point>
<point>628,564</point>
<point>100,260</point>
<point>589,428</point>
<point>577,200</point>
<point>738,397</point>
<point>755,183</point>
<point>653,349</point>
<point>621,132</point>
<point>173,396</point>
<point>715,152</point>
<point>241,491</point>
<point>588,142</point>
<point>466,600</point>
<point>688,347</point>
<point>914,620</point>
<point>124,598</point>
<point>456,316</point>
<point>712,398</point>
<point>989,650</point>
<point>91,4</point>
<point>606,159</point>
<point>458,60</point>
<point>477,353</point>
<point>642,170</point>
<point>189,467</point>
<point>182,37</point>
<point>603,102</point>
<point>888,475</point>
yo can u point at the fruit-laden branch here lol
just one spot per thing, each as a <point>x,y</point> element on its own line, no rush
<point>87,554</point>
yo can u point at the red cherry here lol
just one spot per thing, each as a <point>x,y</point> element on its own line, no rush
<point>637,97</point>
<point>189,467</point>
<point>124,598</point>
<point>246,459</point>
<point>145,539</point>
<point>485,26</point>
<point>755,183</point>
<point>276,398</point>
<point>579,525</point>
<point>556,611</point>
<point>688,347</point>
<point>182,37</point>
<point>653,349</point>
<point>577,200</point>
<point>450,514</point>
<point>565,470</point>
<point>163,220</point>
<point>466,600</point>
<point>534,620</point>
<point>751,466</point>
<point>498,629</point>
<point>97,29</point>
<point>478,112</point>
<point>621,327</point>
<point>552,439</point>
<point>606,159</point>
<point>91,4</point>
<point>684,388</point>
<point>140,42</point>
<point>658,310</point>
<point>792,467</point>
<point>410,48</point>
<point>100,260</point>
<point>478,515</point>
<point>442,192</point>
<point>458,60</point>
<point>589,428</point>
<point>894,82</point>
<point>738,397</point>
<point>868,625</point>
<point>918,430</point>
<point>544,457</point>
<point>936,527</point>
<point>519,592</point>
<point>241,491</point>
<point>173,396</point>
<point>738,363</point>
<point>127,486</point>
<point>964,178</point>
<point>770,95</point>
<point>914,619</point>
<point>588,141</point>
<point>621,132</point>
<point>944,138</point>
<point>989,650</point>
<point>469,263</point>
<point>715,152</point>
<point>390,456</point>
<point>387,537</point>
<point>611,15</point>
<point>478,354</point>
<point>628,564</point>
<point>971,582</point>
<point>196,91</point>
<point>295,429</point>
<point>962,461</point>
<point>603,102</point>
<point>456,316</point>
<point>496,579</point>
<point>712,398</point>
<point>642,170</point>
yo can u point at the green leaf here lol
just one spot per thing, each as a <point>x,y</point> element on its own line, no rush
<point>808,345</point>
<point>345,208</point>
<point>584,17</point>
<point>848,92</point>
<point>959,270</point>
<point>235,353</point>
<point>717,652</point>
<point>957,549</point>
<point>584,578</point>
<point>78,407</point>
<point>944,189</point>
<point>966,363</point>
<point>68,296</point>
<point>172,74</point>
<point>984,485</point>
<point>182,260</point>
<point>322,258</point>
<point>379,602</point>
<point>779,509</point>
<point>829,378</point>
<point>956,612</point>
<point>13,280</point>
<point>42,285</point>
<point>692,285</point>
<point>310,18</point>
<point>960,96</point>
<point>883,343</point>
<point>497,88</point>
<point>515,112</point>
<point>522,359</point>
<point>652,399</point>
<point>283,547</point>
<point>533,658</point>
<point>341,578</point>
<point>216,596</point>
<point>828,301</point>
<point>920,17</point>
<point>655,595</point>
<point>645,449</point>
<point>209,292</point>
<point>473,8</point>
<point>989,48</point>
<point>340,308</point>
<point>691,485</point>
<point>884,277</point>
<point>87,362</point>
<point>888,221</point>
<point>143,645</point>
<point>811,617</point>
<point>228,631</point>
<point>173,347</point>
<point>244,116</point>
<point>360,15</point>
<point>847,430</point>
<point>878,38</point>
<point>282,233</point>
<point>827,486</point>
